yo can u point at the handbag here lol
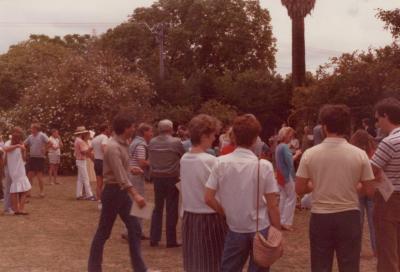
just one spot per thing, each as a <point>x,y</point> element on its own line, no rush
<point>266,249</point>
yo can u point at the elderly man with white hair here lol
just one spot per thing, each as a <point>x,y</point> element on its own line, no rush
<point>165,152</point>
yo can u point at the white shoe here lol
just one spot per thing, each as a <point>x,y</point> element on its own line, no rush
<point>9,212</point>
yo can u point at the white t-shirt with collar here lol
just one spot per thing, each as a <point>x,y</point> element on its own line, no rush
<point>195,169</point>
<point>234,177</point>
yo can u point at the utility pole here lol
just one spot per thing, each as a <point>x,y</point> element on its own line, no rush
<point>158,31</point>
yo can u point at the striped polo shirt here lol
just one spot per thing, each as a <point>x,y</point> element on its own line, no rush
<point>387,157</point>
<point>137,151</point>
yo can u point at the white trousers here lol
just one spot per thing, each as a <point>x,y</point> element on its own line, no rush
<point>82,179</point>
<point>287,203</point>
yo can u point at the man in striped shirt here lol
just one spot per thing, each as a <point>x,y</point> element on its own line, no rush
<point>386,160</point>
<point>138,156</point>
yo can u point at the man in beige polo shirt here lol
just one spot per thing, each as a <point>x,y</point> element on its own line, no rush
<point>332,170</point>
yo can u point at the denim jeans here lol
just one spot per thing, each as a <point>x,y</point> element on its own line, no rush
<point>367,205</point>
<point>237,249</point>
<point>340,232</point>
<point>165,190</point>
<point>116,202</point>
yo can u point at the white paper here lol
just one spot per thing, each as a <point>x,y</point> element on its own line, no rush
<point>144,212</point>
<point>385,187</point>
<point>178,186</point>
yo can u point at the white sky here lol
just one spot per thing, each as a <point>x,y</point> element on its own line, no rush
<point>335,26</point>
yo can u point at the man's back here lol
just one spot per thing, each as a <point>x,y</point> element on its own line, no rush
<point>335,167</point>
<point>165,152</point>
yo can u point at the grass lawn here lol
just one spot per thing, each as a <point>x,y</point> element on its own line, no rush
<point>57,233</point>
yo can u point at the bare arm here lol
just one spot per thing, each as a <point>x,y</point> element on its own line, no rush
<point>303,186</point>
<point>377,172</point>
<point>103,148</point>
<point>273,210</point>
<point>144,163</point>
<point>212,202</point>
<point>11,147</point>
<point>136,197</point>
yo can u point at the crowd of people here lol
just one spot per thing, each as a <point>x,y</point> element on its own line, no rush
<point>232,185</point>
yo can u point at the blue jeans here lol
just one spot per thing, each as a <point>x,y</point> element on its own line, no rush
<point>238,247</point>
<point>116,202</point>
<point>165,191</point>
<point>367,204</point>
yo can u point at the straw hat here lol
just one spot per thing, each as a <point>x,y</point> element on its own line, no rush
<point>80,130</point>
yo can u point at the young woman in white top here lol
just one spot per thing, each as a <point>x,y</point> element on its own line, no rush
<point>54,153</point>
<point>203,230</point>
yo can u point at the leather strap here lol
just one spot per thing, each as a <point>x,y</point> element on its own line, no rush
<point>258,192</point>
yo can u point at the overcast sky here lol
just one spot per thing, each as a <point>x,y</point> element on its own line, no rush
<point>335,26</point>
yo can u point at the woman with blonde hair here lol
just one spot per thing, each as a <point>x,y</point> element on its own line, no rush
<point>286,175</point>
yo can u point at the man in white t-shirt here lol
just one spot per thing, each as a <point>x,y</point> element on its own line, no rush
<point>335,168</point>
<point>99,144</point>
<point>234,178</point>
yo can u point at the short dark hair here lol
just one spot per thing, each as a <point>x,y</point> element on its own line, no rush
<point>366,121</point>
<point>246,129</point>
<point>103,127</point>
<point>336,118</point>
<point>142,128</point>
<point>200,125</point>
<point>36,125</point>
<point>391,107</point>
<point>121,122</point>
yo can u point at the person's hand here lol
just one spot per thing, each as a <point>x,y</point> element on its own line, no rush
<point>22,146</point>
<point>139,200</point>
<point>298,152</point>
<point>136,170</point>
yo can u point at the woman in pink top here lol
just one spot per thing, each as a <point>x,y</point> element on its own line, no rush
<point>81,151</point>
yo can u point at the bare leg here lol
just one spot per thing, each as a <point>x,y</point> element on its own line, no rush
<point>51,173</point>
<point>41,185</point>
<point>22,197</point>
<point>55,173</point>
<point>31,175</point>
<point>14,202</point>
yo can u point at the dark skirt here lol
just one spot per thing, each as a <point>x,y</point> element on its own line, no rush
<point>203,237</point>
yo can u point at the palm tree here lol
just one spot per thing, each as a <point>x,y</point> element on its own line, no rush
<point>298,10</point>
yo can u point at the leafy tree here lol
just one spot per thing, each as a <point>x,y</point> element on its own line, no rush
<point>28,61</point>
<point>392,20</point>
<point>86,89</point>
<point>215,35</point>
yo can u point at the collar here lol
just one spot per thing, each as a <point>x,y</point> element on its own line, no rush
<point>121,140</point>
<point>244,151</point>
<point>139,138</point>
<point>334,140</point>
<point>395,131</point>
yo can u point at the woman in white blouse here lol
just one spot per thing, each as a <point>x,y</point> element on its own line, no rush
<point>203,230</point>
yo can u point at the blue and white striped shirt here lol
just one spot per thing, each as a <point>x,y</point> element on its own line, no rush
<point>387,157</point>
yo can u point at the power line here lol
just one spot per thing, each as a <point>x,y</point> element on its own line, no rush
<point>59,24</point>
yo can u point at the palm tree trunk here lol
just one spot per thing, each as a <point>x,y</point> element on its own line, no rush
<point>298,52</point>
